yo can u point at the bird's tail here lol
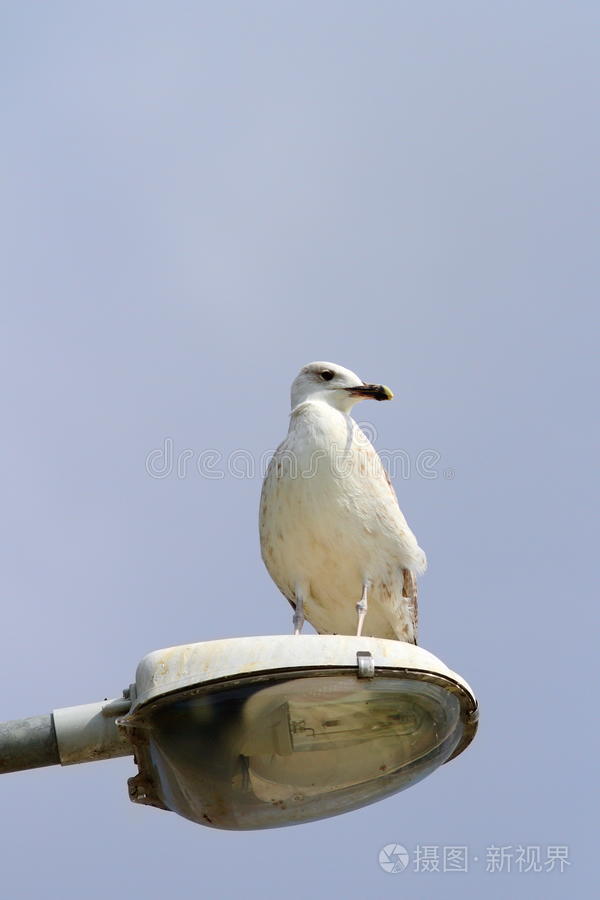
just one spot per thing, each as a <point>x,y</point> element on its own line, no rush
<point>409,590</point>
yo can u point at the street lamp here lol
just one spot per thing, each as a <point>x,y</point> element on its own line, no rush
<point>260,732</point>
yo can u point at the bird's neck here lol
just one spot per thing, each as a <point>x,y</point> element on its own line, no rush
<point>321,421</point>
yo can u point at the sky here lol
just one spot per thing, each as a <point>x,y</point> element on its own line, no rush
<point>198,199</point>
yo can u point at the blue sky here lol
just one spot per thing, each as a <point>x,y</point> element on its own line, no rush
<point>198,199</point>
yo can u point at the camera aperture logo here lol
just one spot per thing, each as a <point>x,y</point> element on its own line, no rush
<point>393,858</point>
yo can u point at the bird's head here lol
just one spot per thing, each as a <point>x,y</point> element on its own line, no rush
<point>334,385</point>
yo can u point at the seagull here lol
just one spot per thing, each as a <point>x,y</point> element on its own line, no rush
<point>332,535</point>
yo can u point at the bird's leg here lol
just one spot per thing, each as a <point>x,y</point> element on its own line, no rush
<point>298,618</point>
<point>361,609</point>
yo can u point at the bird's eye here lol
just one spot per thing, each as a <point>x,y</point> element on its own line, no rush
<point>326,374</point>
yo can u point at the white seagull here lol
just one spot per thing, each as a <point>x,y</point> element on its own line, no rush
<point>332,534</point>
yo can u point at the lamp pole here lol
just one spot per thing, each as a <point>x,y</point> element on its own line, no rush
<point>75,734</point>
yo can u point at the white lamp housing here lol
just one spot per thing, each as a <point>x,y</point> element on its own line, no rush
<point>260,732</point>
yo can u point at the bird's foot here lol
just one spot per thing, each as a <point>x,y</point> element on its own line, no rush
<point>361,609</point>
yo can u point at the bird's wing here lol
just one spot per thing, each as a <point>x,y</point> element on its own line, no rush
<point>375,468</point>
<point>266,497</point>
<point>390,485</point>
<point>387,506</point>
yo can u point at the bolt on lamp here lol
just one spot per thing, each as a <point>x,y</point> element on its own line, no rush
<point>260,732</point>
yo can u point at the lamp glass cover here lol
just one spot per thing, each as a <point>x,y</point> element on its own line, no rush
<point>288,750</point>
